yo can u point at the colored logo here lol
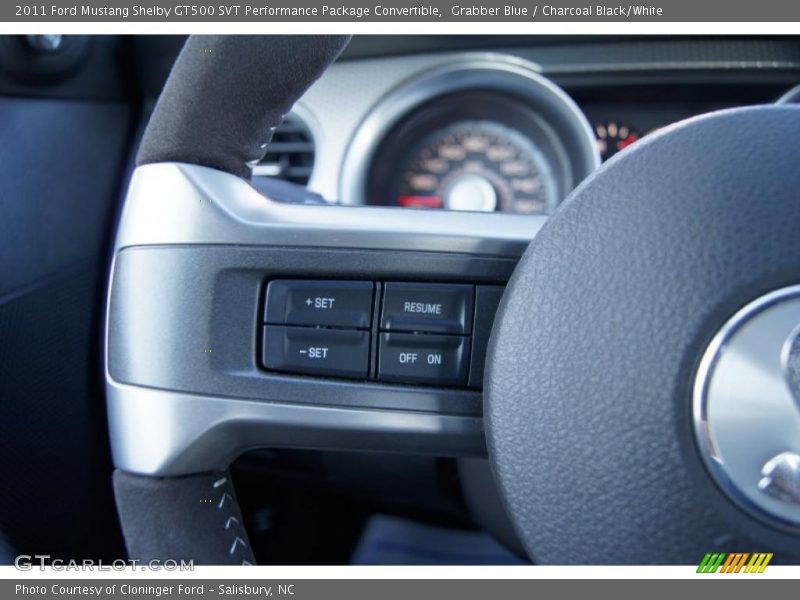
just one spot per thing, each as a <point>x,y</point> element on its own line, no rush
<point>737,562</point>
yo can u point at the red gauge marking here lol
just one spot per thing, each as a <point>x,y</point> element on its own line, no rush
<point>622,144</point>
<point>420,201</point>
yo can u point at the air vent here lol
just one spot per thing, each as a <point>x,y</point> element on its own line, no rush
<point>290,154</point>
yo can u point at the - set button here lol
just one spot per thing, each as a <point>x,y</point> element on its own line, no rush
<point>429,307</point>
<point>319,303</point>
<point>335,352</point>
<point>431,359</point>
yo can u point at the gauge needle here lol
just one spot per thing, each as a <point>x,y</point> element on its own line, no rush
<point>622,144</point>
<point>420,201</point>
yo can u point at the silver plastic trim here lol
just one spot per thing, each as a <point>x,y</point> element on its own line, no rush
<point>490,71</point>
<point>165,432</point>
<point>790,96</point>
<point>175,203</point>
<point>666,65</point>
<point>744,411</point>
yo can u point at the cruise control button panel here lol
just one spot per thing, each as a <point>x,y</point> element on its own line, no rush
<point>399,332</point>
<point>333,352</point>
<point>322,303</point>
<point>431,359</point>
<point>431,307</point>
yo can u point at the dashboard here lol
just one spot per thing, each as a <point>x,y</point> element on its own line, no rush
<point>514,128</point>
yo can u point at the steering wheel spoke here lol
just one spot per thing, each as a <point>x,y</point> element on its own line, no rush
<point>187,387</point>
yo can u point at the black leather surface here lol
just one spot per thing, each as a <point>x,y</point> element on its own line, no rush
<point>226,93</point>
<point>7,553</point>
<point>593,355</point>
<point>182,518</point>
<point>61,170</point>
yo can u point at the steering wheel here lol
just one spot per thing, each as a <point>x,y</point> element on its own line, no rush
<point>640,396</point>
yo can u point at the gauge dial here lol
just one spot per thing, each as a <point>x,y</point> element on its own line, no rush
<point>479,166</point>
<point>613,137</point>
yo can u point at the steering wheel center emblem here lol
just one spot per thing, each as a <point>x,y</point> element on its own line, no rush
<point>780,477</point>
<point>792,364</point>
<point>747,408</point>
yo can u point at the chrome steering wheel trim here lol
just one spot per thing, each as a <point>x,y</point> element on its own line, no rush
<point>745,413</point>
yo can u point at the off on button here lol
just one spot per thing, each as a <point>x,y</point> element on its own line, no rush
<point>432,359</point>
